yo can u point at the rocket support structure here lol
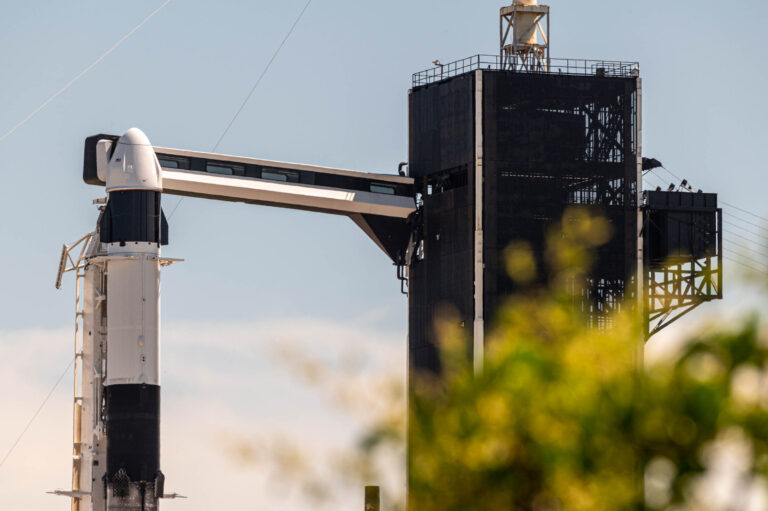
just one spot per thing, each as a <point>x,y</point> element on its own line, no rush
<point>133,229</point>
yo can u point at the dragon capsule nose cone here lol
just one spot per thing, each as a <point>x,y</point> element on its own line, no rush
<point>134,165</point>
<point>134,136</point>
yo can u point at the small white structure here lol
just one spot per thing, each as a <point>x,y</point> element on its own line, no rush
<point>523,41</point>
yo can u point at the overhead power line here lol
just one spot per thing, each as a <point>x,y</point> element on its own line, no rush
<point>745,265</point>
<point>747,258</point>
<point>675,176</point>
<point>748,239</point>
<point>763,272</point>
<point>82,73</point>
<point>745,247</point>
<point>745,211</point>
<point>10,132</point>
<point>750,223</point>
<point>253,89</point>
<point>746,229</point>
<point>37,412</point>
<point>261,76</point>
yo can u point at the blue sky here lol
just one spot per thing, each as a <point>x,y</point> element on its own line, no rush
<point>337,96</point>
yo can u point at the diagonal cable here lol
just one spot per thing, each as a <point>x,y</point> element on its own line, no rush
<point>745,257</point>
<point>763,272</point>
<point>745,211</point>
<point>261,76</point>
<point>730,233</point>
<point>747,230</point>
<point>82,73</point>
<point>722,201</point>
<point>743,246</point>
<point>37,412</point>
<point>253,89</point>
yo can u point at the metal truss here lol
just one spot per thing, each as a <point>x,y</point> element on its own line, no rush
<point>74,259</point>
<point>81,258</point>
<point>677,287</point>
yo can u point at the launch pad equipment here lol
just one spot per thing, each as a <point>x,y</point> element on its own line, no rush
<point>499,147</point>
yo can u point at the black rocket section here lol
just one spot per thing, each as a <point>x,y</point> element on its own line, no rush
<point>134,215</point>
<point>133,430</point>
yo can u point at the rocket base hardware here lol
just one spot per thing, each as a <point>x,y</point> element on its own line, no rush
<point>124,495</point>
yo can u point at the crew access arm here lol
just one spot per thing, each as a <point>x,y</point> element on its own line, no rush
<point>380,204</point>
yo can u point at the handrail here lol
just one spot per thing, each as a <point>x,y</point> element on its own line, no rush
<point>517,63</point>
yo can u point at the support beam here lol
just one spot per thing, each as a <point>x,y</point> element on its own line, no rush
<point>478,348</point>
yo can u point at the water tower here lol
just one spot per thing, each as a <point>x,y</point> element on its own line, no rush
<point>524,36</point>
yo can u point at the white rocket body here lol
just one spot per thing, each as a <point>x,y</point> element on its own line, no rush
<point>133,310</point>
<point>132,228</point>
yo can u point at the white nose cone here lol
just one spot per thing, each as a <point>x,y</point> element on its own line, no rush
<point>134,165</point>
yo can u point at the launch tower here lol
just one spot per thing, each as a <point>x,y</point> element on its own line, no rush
<point>498,153</point>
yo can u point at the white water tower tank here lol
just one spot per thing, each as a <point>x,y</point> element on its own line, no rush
<point>524,36</point>
<point>525,30</point>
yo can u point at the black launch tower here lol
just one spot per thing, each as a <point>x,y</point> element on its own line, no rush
<point>498,153</point>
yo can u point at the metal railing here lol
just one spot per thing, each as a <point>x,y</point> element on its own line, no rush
<point>579,67</point>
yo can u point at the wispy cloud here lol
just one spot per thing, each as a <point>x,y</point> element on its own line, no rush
<point>222,384</point>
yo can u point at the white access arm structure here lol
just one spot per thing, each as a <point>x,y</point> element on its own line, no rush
<point>378,203</point>
<point>271,183</point>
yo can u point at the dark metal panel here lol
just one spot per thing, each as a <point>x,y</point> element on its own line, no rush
<point>443,281</point>
<point>391,234</point>
<point>441,157</point>
<point>133,430</point>
<point>683,201</point>
<point>552,142</point>
<point>683,235</point>
<point>133,216</point>
<point>680,226</point>
<point>441,134</point>
<point>425,359</point>
<point>90,173</point>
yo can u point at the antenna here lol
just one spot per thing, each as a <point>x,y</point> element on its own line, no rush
<point>523,42</point>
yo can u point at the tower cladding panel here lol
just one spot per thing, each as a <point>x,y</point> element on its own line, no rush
<point>441,159</point>
<point>550,141</point>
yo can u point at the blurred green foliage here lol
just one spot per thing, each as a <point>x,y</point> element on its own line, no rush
<point>565,417</point>
<point>560,418</point>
